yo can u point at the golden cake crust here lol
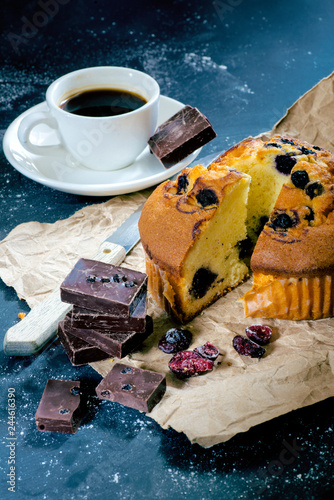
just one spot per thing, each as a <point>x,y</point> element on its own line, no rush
<point>308,252</point>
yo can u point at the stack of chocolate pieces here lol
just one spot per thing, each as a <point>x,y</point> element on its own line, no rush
<point>108,318</point>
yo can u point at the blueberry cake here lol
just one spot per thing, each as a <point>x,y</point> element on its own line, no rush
<point>191,230</point>
<point>293,260</point>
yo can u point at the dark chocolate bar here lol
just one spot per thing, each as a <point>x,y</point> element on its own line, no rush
<point>78,351</point>
<point>86,318</point>
<point>61,408</point>
<point>115,344</point>
<point>180,136</point>
<point>105,288</point>
<point>133,387</point>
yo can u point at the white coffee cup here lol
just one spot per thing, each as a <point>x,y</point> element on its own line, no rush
<point>99,143</point>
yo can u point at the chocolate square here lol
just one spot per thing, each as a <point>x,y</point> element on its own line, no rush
<point>133,387</point>
<point>86,318</point>
<point>180,136</point>
<point>61,408</point>
<point>78,351</point>
<point>102,287</point>
<point>115,344</point>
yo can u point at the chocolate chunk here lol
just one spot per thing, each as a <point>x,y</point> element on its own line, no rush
<point>112,297</point>
<point>61,408</point>
<point>86,318</point>
<point>133,387</point>
<point>180,136</point>
<point>78,351</point>
<point>115,344</point>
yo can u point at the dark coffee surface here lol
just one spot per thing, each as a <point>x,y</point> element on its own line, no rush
<point>102,102</point>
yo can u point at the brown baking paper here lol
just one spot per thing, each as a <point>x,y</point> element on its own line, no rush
<point>298,368</point>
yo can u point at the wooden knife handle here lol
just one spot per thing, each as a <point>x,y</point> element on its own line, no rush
<point>39,326</point>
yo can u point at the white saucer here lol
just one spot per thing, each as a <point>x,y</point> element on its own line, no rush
<point>55,172</point>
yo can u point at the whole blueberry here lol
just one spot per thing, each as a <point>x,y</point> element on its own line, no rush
<point>300,178</point>
<point>285,163</point>
<point>282,221</point>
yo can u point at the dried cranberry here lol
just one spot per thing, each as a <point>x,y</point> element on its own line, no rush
<point>259,333</point>
<point>175,340</point>
<point>188,363</point>
<point>246,347</point>
<point>208,351</point>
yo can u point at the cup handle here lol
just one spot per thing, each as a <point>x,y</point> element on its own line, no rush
<point>26,126</point>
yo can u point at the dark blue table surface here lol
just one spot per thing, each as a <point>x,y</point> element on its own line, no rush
<point>243,63</point>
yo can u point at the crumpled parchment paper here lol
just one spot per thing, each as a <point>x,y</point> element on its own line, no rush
<point>298,368</point>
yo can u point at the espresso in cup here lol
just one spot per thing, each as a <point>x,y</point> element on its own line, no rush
<point>103,117</point>
<point>102,102</point>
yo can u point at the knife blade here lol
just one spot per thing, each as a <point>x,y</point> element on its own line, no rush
<point>39,326</point>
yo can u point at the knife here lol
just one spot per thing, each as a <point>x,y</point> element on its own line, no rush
<point>39,326</point>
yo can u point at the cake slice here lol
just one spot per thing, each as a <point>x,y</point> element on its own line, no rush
<point>191,230</point>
